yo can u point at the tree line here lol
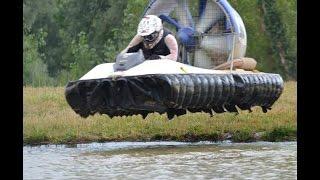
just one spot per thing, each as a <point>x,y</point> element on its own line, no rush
<point>64,39</point>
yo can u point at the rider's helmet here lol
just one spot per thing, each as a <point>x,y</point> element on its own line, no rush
<point>149,28</point>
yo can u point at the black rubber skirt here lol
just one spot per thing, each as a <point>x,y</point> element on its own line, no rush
<point>174,94</point>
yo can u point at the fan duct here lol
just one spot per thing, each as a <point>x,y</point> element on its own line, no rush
<point>211,30</point>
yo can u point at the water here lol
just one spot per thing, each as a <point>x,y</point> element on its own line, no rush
<point>162,160</point>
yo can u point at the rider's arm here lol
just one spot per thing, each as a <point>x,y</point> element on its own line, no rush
<point>135,41</point>
<point>172,44</point>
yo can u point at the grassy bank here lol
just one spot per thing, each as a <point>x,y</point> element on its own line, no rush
<point>47,118</point>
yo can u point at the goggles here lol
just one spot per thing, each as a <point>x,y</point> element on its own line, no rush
<point>151,37</point>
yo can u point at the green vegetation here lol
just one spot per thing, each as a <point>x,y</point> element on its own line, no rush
<point>47,118</point>
<point>63,39</point>
<point>271,30</point>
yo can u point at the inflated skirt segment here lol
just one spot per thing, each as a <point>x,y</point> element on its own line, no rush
<point>174,94</point>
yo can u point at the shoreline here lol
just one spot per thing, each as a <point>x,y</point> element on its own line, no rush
<point>276,135</point>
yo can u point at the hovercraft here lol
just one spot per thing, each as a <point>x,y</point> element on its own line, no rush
<point>205,78</point>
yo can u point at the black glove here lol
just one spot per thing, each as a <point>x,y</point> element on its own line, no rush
<point>154,56</point>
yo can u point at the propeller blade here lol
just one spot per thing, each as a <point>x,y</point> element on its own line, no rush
<point>171,21</point>
<point>158,7</point>
<point>217,43</point>
<point>183,14</point>
<point>218,48</point>
<point>202,60</point>
<point>221,46</point>
<point>209,16</point>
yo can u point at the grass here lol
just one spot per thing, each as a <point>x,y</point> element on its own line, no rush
<point>48,119</point>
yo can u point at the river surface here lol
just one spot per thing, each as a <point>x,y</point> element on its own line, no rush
<point>162,160</point>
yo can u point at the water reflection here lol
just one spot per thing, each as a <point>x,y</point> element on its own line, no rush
<point>162,160</point>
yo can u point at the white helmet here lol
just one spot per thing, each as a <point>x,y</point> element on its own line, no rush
<point>148,25</point>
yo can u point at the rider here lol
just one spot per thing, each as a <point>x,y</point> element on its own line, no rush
<point>155,41</point>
